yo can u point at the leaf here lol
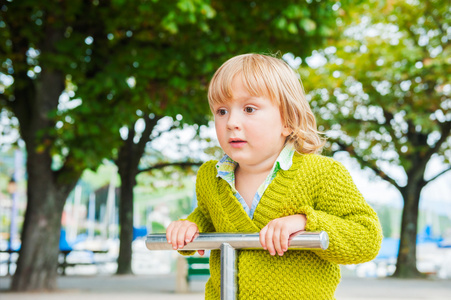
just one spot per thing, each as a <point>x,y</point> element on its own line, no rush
<point>281,23</point>
<point>292,28</point>
<point>307,24</point>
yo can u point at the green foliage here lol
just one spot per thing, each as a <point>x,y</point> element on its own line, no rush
<point>182,209</point>
<point>158,227</point>
<point>120,59</point>
<point>83,70</point>
<point>384,93</point>
<point>100,178</point>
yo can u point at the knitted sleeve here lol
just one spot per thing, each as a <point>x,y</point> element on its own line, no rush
<point>354,230</point>
<point>201,215</point>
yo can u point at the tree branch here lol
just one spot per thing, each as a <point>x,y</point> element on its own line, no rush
<point>445,132</point>
<point>438,175</point>
<point>67,176</point>
<point>350,149</point>
<point>4,103</point>
<point>163,165</point>
<point>145,136</point>
<point>388,118</point>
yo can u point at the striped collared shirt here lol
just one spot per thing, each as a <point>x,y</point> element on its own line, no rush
<point>226,170</point>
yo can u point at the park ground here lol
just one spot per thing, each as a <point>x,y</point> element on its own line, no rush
<point>149,287</point>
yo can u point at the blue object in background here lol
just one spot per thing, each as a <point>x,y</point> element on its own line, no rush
<point>139,232</point>
<point>64,244</point>
<point>426,236</point>
<point>390,246</point>
<point>389,249</point>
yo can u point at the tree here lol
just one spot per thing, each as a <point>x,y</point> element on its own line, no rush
<point>129,166</point>
<point>81,71</point>
<point>383,95</point>
<point>50,48</point>
<point>268,27</point>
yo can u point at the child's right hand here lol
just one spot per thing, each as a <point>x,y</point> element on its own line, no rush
<point>180,233</point>
<point>275,236</point>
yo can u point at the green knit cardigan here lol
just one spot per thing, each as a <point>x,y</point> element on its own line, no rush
<point>317,186</point>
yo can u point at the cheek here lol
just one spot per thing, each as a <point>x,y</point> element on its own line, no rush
<point>269,131</point>
<point>220,130</point>
<point>265,125</point>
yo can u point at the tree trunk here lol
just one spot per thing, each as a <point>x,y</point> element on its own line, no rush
<point>130,154</point>
<point>46,194</point>
<point>38,260</point>
<point>406,266</point>
<point>128,182</point>
<point>127,163</point>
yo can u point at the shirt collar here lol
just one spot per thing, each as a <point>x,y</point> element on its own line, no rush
<point>285,158</point>
<point>284,161</point>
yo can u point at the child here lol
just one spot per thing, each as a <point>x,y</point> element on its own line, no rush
<point>272,181</point>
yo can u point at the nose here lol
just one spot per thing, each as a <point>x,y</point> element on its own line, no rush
<point>233,121</point>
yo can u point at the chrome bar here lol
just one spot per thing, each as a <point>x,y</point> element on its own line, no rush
<point>228,243</point>
<point>211,241</point>
<point>228,272</point>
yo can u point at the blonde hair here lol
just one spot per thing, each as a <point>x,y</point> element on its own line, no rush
<point>272,78</point>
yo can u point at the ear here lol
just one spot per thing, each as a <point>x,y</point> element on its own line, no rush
<point>286,131</point>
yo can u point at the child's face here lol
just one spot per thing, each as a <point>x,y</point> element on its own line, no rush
<point>249,129</point>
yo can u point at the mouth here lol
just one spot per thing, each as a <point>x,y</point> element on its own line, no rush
<point>237,143</point>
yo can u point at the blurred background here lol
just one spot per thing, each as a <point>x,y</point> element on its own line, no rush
<point>104,123</point>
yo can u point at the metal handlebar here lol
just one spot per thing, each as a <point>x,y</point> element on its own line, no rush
<point>211,241</point>
<point>228,243</point>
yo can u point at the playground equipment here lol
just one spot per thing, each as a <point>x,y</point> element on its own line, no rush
<point>228,243</point>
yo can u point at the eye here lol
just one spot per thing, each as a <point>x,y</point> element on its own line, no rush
<point>221,111</point>
<point>249,109</point>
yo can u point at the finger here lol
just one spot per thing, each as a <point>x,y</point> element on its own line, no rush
<point>262,237</point>
<point>169,231</point>
<point>269,240</point>
<point>174,233</point>
<point>284,235</point>
<point>196,234</point>
<point>181,235</point>
<point>276,241</point>
<point>190,233</point>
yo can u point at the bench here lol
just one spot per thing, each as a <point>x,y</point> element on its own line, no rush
<point>191,268</point>
<point>63,263</point>
<point>62,259</point>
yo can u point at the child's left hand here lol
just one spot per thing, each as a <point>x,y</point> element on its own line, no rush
<point>275,235</point>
